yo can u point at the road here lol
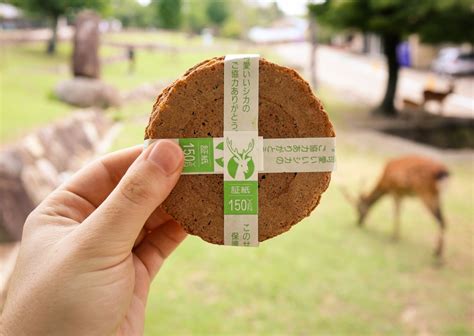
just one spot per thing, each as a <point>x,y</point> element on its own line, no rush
<point>363,78</point>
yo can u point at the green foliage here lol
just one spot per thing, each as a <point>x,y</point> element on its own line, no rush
<point>169,13</point>
<point>453,24</point>
<point>217,12</point>
<point>232,17</point>
<point>195,16</point>
<point>132,14</point>
<point>435,21</point>
<point>55,8</point>
<point>206,13</point>
<point>232,28</point>
<point>267,15</point>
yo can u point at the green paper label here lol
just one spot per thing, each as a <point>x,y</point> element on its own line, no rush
<point>289,155</point>
<point>242,150</point>
<point>241,198</point>
<point>198,155</point>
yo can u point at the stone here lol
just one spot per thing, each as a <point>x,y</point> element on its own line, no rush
<point>86,92</point>
<point>85,57</point>
<point>39,180</point>
<point>36,165</point>
<point>16,204</point>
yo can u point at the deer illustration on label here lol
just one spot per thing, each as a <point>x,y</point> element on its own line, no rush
<point>241,165</point>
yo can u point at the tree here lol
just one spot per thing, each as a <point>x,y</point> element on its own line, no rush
<point>313,39</point>
<point>217,12</point>
<point>131,14</point>
<point>53,9</point>
<point>194,16</point>
<point>435,22</point>
<point>169,13</point>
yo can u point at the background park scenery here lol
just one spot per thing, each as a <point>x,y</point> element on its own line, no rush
<point>396,79</point>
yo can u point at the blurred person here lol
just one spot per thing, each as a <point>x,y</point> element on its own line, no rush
<point>131,59</point>
<point>91,249</point>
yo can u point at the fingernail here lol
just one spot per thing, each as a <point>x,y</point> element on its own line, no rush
<point>167,155</point>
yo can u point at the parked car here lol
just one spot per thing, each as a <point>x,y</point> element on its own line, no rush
<point>453,61</point>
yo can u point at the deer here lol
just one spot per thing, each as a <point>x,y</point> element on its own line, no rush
<point>438,96</point>
<point>241,158</point>
<point>411,175</point>
<point>410,104</point>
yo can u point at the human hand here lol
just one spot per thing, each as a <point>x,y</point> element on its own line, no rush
<point>90,250</point>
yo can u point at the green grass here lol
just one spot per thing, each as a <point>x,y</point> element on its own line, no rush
<point>152,67</point>
<point>27,80</point>
<point>28,77</point>
<point>167,65</point>
<point>326,275</point>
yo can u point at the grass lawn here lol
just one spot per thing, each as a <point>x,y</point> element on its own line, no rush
<point>325,276</point>
<point>151,67</point>
<point>28,77</point>
<point>27,80</point>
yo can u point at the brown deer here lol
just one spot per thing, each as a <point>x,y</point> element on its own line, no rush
<point>408,176</point>
<point>437,96</point>
<point>410,104</point>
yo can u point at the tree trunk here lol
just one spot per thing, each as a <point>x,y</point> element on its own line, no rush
<point>314,43</point>
<point>51,48</point>
<point>387,108</point>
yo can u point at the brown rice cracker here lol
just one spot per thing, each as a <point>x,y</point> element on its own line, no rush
<point>192,107</point>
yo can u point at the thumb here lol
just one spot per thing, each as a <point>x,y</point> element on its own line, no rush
<point>145,185</point>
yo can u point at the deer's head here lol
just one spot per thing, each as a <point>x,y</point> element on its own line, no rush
<point>359,202</point>
<point>242,159</point>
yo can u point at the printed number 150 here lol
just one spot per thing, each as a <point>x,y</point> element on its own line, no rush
<point>189,152</point>
<point>240,205</point>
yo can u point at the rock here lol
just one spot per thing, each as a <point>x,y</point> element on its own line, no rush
<point>36,165</point>
<point>86,92</point>
<point>145,91</point>
<point>16,204</point>
<point>39,180</point>
<point>85,57</point>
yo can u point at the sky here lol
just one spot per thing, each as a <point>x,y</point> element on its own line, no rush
<point>289,7</point>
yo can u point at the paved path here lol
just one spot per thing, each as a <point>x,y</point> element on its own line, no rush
<point>363,78</point>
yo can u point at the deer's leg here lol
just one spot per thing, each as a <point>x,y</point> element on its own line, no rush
<point>396,228</point>
<point>442,227</point>
<point>433,204</point>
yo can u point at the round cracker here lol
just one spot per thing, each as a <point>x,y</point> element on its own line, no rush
<point>192,107</point>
